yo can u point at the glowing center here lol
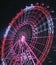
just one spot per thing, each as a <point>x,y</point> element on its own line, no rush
<point>22,38</point>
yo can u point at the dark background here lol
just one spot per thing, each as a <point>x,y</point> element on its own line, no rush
<point>8,10</point>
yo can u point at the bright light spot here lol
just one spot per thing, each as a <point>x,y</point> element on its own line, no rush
<point>7,30</point>
<point>22,38</point>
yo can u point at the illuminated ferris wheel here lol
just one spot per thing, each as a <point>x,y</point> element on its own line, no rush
<point>29,36</point>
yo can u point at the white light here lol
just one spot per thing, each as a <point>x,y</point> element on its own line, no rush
<point>7,30</point>
<point>29,8</point>
<point>3,63</point>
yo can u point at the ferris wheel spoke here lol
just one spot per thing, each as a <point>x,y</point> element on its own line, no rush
<point>13,32</point>
<point>41,37</point>
<point>35,49</point>
<point>37,32</point>
<point>42,25</point>
<point>40,43</point>
<point>8,47</point>
<point>9,39</point>
<point>11,49</point>
<point>30,50</point>
<point>10,54</point>
<point>14,28</point>
<point>42,31</point>
<point>34,43</point>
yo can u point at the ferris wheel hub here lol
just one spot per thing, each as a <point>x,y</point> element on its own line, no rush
<point>22,38</point>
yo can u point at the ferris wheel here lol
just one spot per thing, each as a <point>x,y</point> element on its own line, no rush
<point>29,36</point>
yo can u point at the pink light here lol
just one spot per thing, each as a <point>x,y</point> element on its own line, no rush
<point>23,39</point>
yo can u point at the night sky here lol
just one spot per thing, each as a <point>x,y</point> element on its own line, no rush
<point>8,10</point>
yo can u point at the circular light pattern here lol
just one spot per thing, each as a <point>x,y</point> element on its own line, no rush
<point>28,38</point>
